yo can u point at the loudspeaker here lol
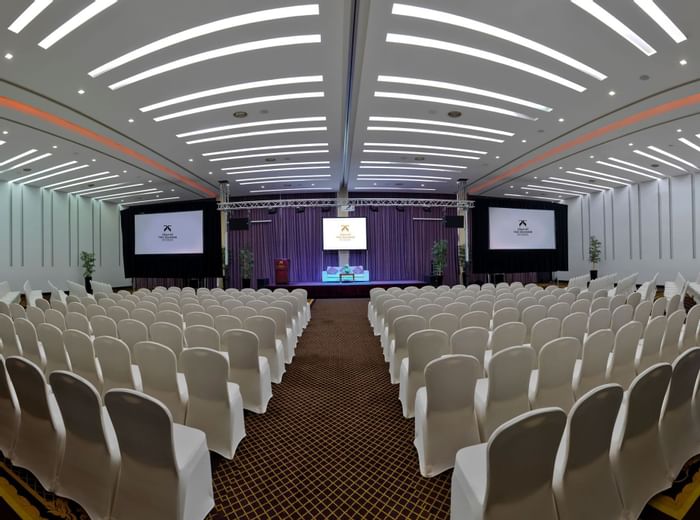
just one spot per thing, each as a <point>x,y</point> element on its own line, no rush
<point>238,224</point>
<point>453,221</point>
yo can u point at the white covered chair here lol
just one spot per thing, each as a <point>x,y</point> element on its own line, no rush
<point>669,344</point>
<point>642,312</point>
<point>9,412</point>
<point>170,461</point>
<point>26,332</point>
<point>650,346</point>
<point>504,394</point>
<point>444,410</point>
<point>471,341</point>
<point>551,382</point>
<point>574,326</point>
<point>446,322</point>
<point>225,323</point>
<point>78,321</point>
<point>598,320</point>
<point>475,319</point>
<point>118,313</point>
<point>167,334</point>
<point>215,405</point>
<point>637,457</point>
<point>559,310</point>
<point>51,339</point>
<point>132,332</point>
<point>145,316</point>
<point>423,346</point>
<point>677,429</point>
<point>589,371</point>
<point>268,346</point>
<point>103,326</point>
<point>249,370</point>
<point>621,368</point>
<point>620,316</point>
<point>503,337</point>
<point>91,463</point>
<point>202,336</point>
<point>35,315</point>
<point>81,353</point>
<point>283,334</point>
<point>8,337</point>
<point>504,315</point>
<point>659,307</point>
<point>55,318</point>
<point>583,459</point>
<point>115,362</point>
<point>198,318</point>
<point>543,332</point>
<point>160,378</point>
<point>457,308</point>
<point>690,329</point>
<point>404,327</point>
<point>42,436</point>
<point>489,482</point>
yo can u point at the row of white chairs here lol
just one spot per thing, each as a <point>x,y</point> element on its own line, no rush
<point>126,459</point>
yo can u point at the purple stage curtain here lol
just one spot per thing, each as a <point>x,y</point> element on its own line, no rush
<point>297,236</point>
<point>399,247</point>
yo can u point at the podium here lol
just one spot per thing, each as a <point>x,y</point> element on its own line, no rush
<point>281,271</point>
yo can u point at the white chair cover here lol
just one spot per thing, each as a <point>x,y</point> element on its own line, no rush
<point>9,413</point>
<point>115,362</point>
<point>82,357</point>
<point>160,379</point>
<point>589,371</point>
<point>264,328</point>
<point>423,347</point>
<point>250,371</point>
<point>551,383</point>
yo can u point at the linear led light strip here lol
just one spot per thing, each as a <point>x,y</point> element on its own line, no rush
<point>420,152</point>
<point>653,157</point>
<point>273,147</point>
<point>474,25</point>
<point>462,88</point>
<point>149,193</point>
<point>578,183</point>
<point>616,25</point>
<point>281,177</point>
<point>579,186</point>
<point>106,187</point>
<point>406,168</point>
<point>87,182</point>
<point>383,119</point>
<point>148,200</point>
<point>127,194</point>
<point>79,19</point>
<point>633,165</point>
<point>259,132</point>
<point>244,172</point>
<point>91,176</point>
<point>484,55</point>
<point>427,147</point>
<point>233,88</point>
<point>2,142</point>
<point>31,12</point>
<point>268,167</point>
<point>602,179</point>
<point>17,157</point>
<point>239,102</point>
<point>438,165</point>
<point>657,15</point>
<point>535,187</point>
<point>408,176</point>
<point>82,166</point>
<point>452,102</point>
<point>402,179</point>
<point>529,196</point>
<point>29,161</point>
<point>312,119</point>
<point>290,189</point>
<point>432,132</point>
<point>70,163</point>
<point>291,179</point>
<point>282,41</point>
<point>667,154</point>
<point>250,156</point>
<point>610,165</point>
<point>689,143</point>
<point>392,188</point>
<point>602,175</point>
<point>207,28</point>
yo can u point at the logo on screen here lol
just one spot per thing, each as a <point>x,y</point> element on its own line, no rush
<point>345,228</point>
<point>522,230</point>
<point>523,223</point>
<point>345,235</point>
<point>167,227</point>
<point>167,235</point>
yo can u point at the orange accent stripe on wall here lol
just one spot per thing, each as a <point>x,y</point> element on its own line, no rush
<point>598,132</point>
<point>103,140</point>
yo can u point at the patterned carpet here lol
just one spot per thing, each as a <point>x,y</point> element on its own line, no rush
<point>333,444</point>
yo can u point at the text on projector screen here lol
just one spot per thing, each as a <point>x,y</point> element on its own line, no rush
<point>344,234</point>
<point>515,228</point>
<point>172,233</point>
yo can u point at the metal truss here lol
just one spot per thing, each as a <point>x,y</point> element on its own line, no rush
<point>308,203</point>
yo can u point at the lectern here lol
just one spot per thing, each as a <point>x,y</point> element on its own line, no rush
<point>281,271</point>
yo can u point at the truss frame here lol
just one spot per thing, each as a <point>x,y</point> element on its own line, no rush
<point>340,202</point>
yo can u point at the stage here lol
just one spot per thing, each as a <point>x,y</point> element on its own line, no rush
<point>345,289</point>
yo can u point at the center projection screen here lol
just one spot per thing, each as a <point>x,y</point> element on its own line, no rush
<point>344,234</point>
<point>517,228</point>
<point>172,233</point>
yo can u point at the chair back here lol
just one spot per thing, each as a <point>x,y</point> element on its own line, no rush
<point>81,353</point>
<point>470,341</point>
<point>457,308</point>
<point>659,307</point>
<point>556,369</point>
<point>669,343</point>
<point>543,332</point>
<point>509,374</point>
<point>202,336</point>
<point>243,313</point>
<point>446,322</point>
<point>35,315</point>
<point>505,315</point>
<point>450,382</point>
<point>264,327</point>
<point>651,343</point>
<point>77,321</point>
<point>117,313</point>
<point>424,346</point>
<point>475,319</point>
<point>404,327</point>
<point>242,348</point>
<point>559,310</point>
<point>158,367</point>
<point>103,326</point>
<point>508,335</point>
<point>115,362</point>
<point>206,373</point>
<point>51,338</point>
<point>30,387</point>
<point>8,336</point>
<point>81,406</point>
<point>690,330</point>
<point>30,342</point>
<point>620,316</point>
<point>599,319</point>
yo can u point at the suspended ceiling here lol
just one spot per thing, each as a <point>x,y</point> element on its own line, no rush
<point>136,101</point>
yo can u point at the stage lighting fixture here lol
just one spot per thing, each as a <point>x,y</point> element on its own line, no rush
<point>427,209</point>
<point>271,211</point>
<point>325,210</point>
<point>299,210</point>
<point>374,209</point>
<point>400,209</point>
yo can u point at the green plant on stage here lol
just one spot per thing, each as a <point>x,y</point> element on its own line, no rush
<point>594,250</point>
<point>439,252</point>
<point>87,262</point>
<point>346,269</point>
<point>245,256</point>
<point>462,255</point>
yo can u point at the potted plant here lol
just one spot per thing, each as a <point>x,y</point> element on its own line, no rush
<point>594,246</point>
<point>87,262</point>
<point>245,256</point>
<point>462,259</point>
<point>439,252</point>
<point>225,268</point>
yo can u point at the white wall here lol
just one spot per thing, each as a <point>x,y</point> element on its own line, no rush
<point>644,228</point>
<point>42,233</point>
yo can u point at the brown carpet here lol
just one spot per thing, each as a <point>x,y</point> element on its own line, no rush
<point>333,443</point>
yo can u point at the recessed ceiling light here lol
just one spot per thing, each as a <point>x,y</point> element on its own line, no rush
<point>190,159</point>
<point>283,41</point>
<point>54,146</point>
<point>262,186</point>
<point>534,177</point>
<point>81,92</point>
<point>496,32</point>
<point>149,200</point>
<point>630,144</point>
<point>683,62</point>
<point>561,167</point>
<point>616,25</point>
<point>679,130</point>
<point>131,120</point>
<point>512,186</point>
<point>658,16</point>
<point>485,55</point>
<point>498,157</point>
<point>591,156</point>
<point>452,102</point>
<point>437,165</point>
<point>275,131</point>
<point>31,12</point>
<point>561,119</point>
<point>291,189</point>
<point>173,189</point>
<point>268,170</point>
<point>524,141</point>
<point>366,167</point>
<point>5,132</point>
<point>123,171</point>
<point>432,132</point>
<point>150,180</point>
<point>94,160</point>
<point>280,179</point>
<point>611,93</point>
<point>96,7</point>
<point>258,148</point>
<point>8,56</point>
<point>527,192</point>
<point>237,102</point>
<point>210,173</point>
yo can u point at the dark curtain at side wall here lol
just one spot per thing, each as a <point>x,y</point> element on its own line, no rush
<point>485,260</point>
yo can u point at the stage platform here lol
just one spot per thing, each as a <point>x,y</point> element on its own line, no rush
<point>318,290</point>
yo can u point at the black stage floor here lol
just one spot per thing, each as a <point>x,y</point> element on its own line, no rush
<point>345,289</point>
